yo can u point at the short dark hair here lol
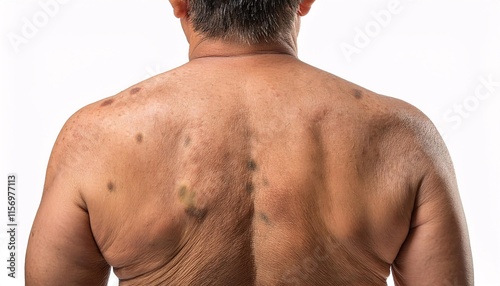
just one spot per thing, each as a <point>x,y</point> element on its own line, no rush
<point>244,21</point>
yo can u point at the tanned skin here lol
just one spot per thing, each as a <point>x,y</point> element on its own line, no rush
<point>247,166</point>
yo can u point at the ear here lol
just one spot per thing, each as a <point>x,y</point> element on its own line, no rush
<point>180,8</point>
<point>305,7</point>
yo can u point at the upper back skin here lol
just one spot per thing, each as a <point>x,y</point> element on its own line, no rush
<point>243,172</point>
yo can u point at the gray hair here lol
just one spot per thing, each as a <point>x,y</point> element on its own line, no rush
<point>244,21</point>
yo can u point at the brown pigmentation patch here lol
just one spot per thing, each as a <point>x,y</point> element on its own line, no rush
<point>135,90</point>
<point>251,165</point>
<point>358,94</point>
<point>264,218</point>
<point>107,102</point>
<point>139,137</point>
<point>111,186</point>
<point>187,198</point>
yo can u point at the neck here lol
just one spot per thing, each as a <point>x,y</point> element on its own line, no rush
<point>205,48</point>
<point>201,47</point>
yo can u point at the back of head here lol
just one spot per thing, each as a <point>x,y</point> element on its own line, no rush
<point>244,21</point>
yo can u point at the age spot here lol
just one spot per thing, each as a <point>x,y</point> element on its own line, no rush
<point>264,218</point>
<point>107,102</point>
<point>358,94</point>
<point>139,137</point>
<point>251,165</point>
<point>111,187</point>
<point>135,90</point>
<point>182,192</point>
<point>187,198</point>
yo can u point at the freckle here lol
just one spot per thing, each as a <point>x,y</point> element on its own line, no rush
<point>135,90</point>
<point>251,165</point>
<point>107,102</point>
<point>111,187</point>
<point>139,137</point>
<point>187,141</point>
<point>358,94</point>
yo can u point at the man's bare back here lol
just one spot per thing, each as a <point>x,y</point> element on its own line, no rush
<point>254,174</point>
<point>248,167</point>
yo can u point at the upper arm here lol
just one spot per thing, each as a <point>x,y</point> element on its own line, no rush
<point>61,248</point>
<point>436,250</point>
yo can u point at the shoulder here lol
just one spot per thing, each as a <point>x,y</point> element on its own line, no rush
<point>398,119</point>
<point>400,133</point>
<point>90,130</point>
<point>79,133</point>
<point>412,125</point>
<point>114,123</point>
<point>417,148</point>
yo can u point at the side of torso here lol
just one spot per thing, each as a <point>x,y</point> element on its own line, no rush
<point>257,181</point>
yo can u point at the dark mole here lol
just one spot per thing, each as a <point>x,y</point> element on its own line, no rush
<point>135,90</point>
<point>111,187</point>
<point>250,187</point>
<point>107,102</point>
<point>264,218</point>
<point>251,165</point>
<point>139,138</point>
<point>358,94</point>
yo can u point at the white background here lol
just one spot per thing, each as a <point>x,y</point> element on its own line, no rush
<point>434,54</point>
